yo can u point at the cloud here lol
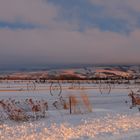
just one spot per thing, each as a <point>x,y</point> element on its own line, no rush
<point>30,11</point>
<point>126,10</point>
<point>54,46</point>
<point>108,15</point>
<point>78,32</point>
<point>119,4</point>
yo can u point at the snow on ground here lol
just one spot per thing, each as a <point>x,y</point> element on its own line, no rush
<point>111,118</point>
<point>108,127</point>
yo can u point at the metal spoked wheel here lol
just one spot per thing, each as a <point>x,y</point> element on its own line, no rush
<point>31,86</point>
<point>105,88</point>
<point>55,89</point>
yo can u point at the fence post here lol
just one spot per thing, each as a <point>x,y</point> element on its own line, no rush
<point>70,104</point>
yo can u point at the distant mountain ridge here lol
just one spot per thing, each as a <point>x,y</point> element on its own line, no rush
<point>80,73</point>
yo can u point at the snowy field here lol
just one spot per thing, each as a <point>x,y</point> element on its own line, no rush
<point>111,117</point>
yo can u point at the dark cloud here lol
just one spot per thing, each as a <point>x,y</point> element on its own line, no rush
<point>57,46</point>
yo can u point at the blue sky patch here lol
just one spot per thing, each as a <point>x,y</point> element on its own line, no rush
<point>17,25</point>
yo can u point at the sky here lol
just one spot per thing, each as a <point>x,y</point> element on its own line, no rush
<point>41,32</point>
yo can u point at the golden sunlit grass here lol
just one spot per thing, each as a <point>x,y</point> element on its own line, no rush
<point>80,104</point>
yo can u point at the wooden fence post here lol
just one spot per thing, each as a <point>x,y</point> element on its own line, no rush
<point>70,105</point>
